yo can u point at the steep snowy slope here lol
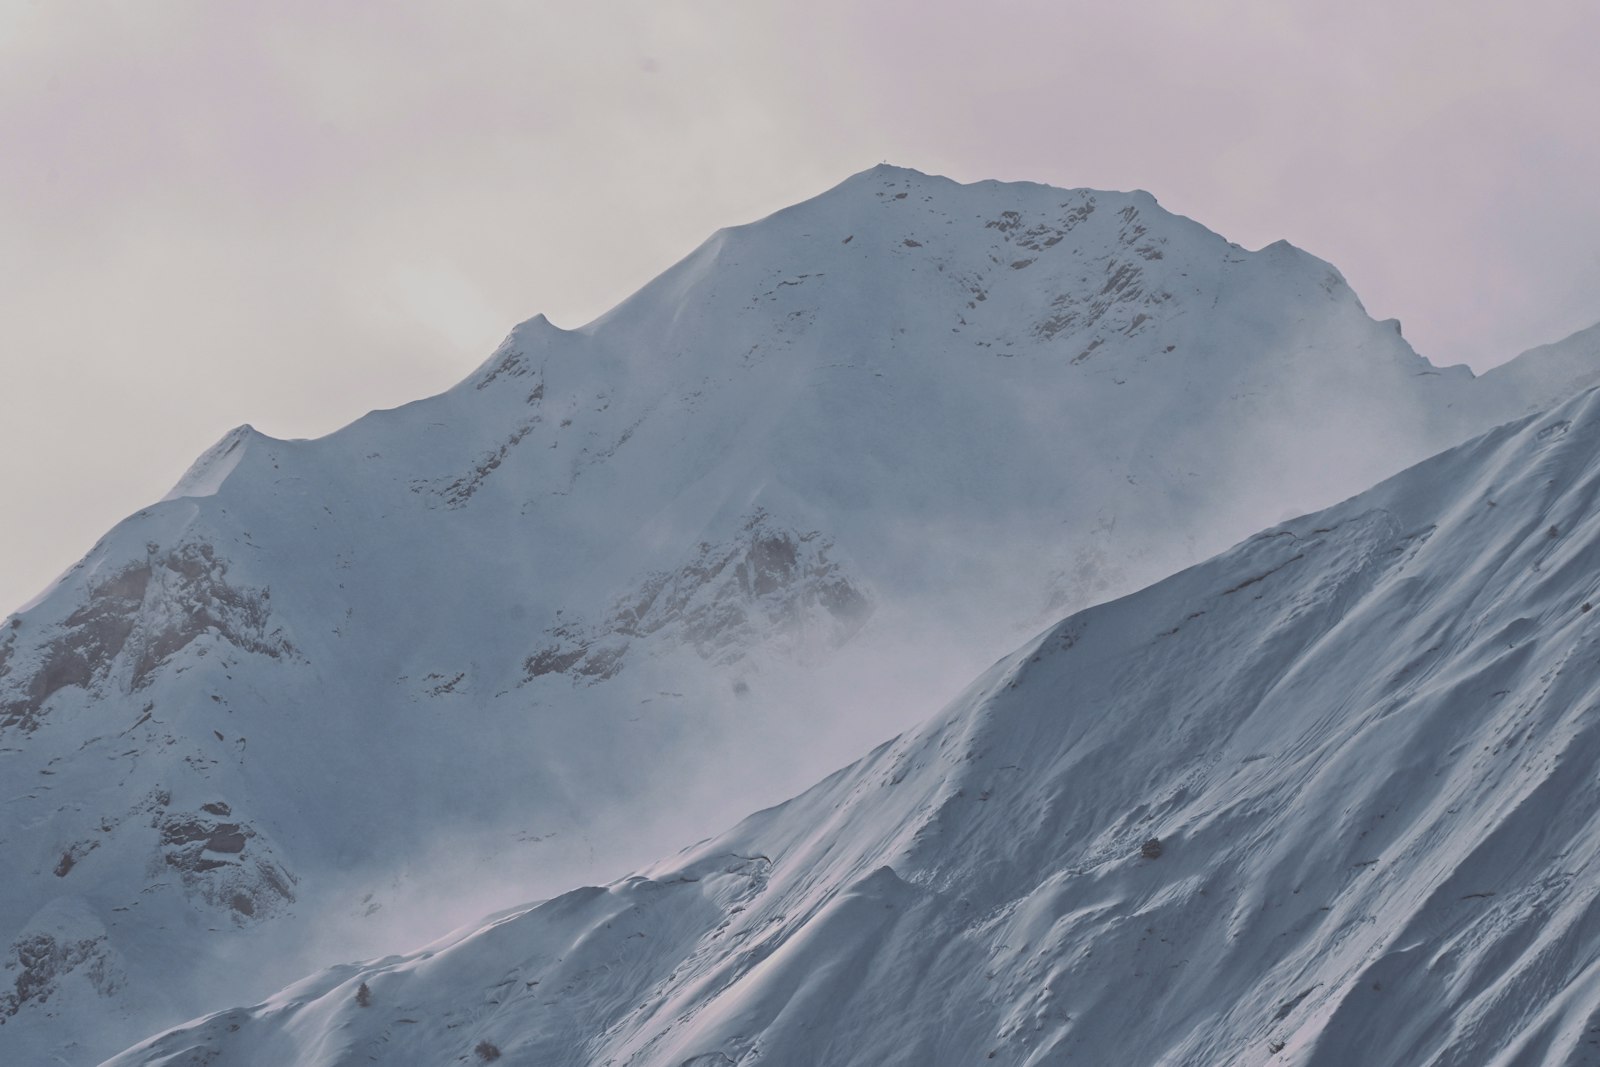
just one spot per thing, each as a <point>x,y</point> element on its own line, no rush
<point>1327,799</point>
<point>530,631</point>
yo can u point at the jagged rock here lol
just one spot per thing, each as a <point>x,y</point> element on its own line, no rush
<point>769,585</point>
<point>134,621</point>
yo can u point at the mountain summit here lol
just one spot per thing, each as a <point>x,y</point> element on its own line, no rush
<point>692,555</point>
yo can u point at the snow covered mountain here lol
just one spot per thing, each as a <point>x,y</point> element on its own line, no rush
<point>533,630</point>
<point>1326,799</point>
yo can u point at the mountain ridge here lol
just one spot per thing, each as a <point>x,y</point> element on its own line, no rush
<point>1152,834</point>
<point>952,412</point>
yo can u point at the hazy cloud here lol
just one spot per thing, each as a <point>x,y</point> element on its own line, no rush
<point>288,214</point>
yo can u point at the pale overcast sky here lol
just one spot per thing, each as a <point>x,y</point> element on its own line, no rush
<point>290,213</point>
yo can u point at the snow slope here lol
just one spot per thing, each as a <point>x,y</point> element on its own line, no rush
<point>539,628</point>
<point>1326,799</point>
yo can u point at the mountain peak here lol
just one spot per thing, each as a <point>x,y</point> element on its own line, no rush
<point>206,475</point>
<point>816,475</point>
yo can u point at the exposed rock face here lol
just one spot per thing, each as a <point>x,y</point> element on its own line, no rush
<point>769,584</point>
<point>1112,296</point>
<point>225,864</point>
<point>132,622</point>
<point>64,940</point>
<point>40,961</point>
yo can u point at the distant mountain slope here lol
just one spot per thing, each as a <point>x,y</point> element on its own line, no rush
<point>1564,368</point>
<point>1327,799</point>
<point>527,632</point>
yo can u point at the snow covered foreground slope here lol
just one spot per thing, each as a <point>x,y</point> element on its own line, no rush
<point>624,579</point>
<point>1327,799</point>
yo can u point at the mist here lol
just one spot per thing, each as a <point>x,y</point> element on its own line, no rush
<point>289,216</point>
<point>782,415</point>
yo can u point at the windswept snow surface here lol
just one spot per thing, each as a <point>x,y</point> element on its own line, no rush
<point>1326,799</point>
<point>625,579</point>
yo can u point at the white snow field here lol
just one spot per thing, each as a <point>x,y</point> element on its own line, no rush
<point>332,697</point>
<point>1327,799</point>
